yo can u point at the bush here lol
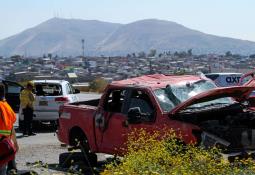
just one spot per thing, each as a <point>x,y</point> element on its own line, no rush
<point>98,85</point>
<point>146,154</point>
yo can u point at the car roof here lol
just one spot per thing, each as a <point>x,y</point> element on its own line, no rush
<point>156,81</point>
<point>50,81</point>
<point>224,73</point>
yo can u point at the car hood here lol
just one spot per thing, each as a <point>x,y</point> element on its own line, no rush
<point>237,92</point>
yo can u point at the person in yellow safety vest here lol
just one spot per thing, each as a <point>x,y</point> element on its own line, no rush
<point>7,120</point>
<point>27,99</point>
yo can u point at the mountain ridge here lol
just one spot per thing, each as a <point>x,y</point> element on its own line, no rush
<point>63,37</point>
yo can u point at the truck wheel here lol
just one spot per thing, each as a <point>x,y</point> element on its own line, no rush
<point>81,142</point>
<point>67,160</point>
<point>91,158</point>
<point>53,125</point>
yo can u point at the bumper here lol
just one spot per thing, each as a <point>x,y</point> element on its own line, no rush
<point>240,155</point>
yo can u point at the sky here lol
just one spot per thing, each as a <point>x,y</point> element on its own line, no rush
<point>230,18</point>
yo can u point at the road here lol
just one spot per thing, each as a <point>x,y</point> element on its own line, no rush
<point>40,153</point>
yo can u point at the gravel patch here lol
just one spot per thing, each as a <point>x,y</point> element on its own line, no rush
<point>39,152</point>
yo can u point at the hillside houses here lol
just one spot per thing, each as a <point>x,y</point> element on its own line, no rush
<point>116,68</point>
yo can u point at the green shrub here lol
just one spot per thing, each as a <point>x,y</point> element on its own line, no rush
<point>148,155</point>
<point>98,85</point>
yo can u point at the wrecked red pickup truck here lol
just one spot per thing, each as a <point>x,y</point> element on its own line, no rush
<point>190,104</point>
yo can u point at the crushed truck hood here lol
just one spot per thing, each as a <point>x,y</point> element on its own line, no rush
<point>237,92</point>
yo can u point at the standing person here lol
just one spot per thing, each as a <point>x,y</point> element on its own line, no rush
<point>27,99</point>
<point>7,120</point>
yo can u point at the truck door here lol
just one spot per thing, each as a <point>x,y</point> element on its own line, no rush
<point>144,105</point>
<point>115,135</point>
<point>110,133</point>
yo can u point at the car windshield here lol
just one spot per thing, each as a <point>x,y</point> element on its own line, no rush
<point>171,96</point>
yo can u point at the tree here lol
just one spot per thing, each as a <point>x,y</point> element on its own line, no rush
<point>228,54</point>
<point>252,56</point>
<point>56,56</point>
<point>152,53</point>
<point>190,52</point>
<point>16,58</point>
<point>98,85</point>
<point>176,53</point>
<point>141,55</point>
<point>49,55</point>
<point>128,56</point>
<point>180,54</point>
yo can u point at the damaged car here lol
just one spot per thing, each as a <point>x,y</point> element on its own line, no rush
<point>222,120</point>
<point>191,105</point>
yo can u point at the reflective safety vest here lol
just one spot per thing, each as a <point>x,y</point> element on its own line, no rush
<point>7,118</point>
<point>27,99</point>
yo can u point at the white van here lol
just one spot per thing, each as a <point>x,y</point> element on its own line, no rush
<point>225,79</point>
<point>50,94</point>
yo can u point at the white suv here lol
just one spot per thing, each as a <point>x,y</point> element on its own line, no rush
<point>50,94</point>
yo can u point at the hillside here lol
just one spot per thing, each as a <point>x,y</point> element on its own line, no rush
<point>58,36</point>
<point>63,37</point>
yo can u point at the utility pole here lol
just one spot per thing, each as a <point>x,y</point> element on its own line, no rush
<point>82,42</point>
<point>151,71</point>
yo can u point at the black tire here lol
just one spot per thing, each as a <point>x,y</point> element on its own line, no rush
<point>53,125</point>
<point>68,159</point>
<point>79,141</point>
<point>91,158</point>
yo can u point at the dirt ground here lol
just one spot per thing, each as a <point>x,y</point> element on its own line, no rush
<point>40,153</point>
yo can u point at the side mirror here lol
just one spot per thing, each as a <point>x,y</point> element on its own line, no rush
<point>134,115</point>
<point>76,91</point>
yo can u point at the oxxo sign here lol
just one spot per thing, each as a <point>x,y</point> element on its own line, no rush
<point>232,79</point>
<point>225,79</point>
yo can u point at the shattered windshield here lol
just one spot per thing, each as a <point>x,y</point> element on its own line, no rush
<point>171,96</point>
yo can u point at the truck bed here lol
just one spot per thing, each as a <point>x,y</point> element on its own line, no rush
<point>93,102</point>
<point>78,115</point>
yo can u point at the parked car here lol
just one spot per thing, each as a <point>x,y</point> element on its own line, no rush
<point>12,91</point>
<point>50,94</point>
<point>225,79</point>
<point>193,106</point>
<point>235,79</point>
